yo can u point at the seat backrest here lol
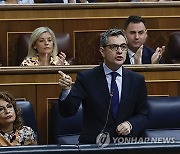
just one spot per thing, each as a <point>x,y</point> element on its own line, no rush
<point>163,118</point>
<point>66,130</point>
<point>28,116</point>
<point>63,43</point>
<point>163,112</point>
<point>172,53</point>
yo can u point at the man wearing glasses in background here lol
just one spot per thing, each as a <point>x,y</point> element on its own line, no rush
<point>138,53</point>
<point>113,98</point>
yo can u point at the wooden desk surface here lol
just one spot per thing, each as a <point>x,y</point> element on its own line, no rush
<point>144,69</point>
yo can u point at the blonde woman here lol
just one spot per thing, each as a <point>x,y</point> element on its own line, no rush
<point>43,49</point>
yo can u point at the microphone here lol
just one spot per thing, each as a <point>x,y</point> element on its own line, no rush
<point>100,136</point>
<point>109,107</point>
<point>111,94</point>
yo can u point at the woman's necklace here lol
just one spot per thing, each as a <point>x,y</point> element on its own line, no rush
<point>10,136</point>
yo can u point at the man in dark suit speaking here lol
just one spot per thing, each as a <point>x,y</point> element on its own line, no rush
<point>113,98</point>
<point>138,53</point>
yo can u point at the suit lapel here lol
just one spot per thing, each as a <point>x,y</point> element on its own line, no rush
<point>127,61</point>
<point>103,82</point>
<point>145,57</point>
<point>126,84</point>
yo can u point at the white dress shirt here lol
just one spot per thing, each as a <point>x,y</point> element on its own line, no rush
<point>107,72</point>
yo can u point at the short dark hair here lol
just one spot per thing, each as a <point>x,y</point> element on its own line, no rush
<point>108,33</point>
<point>133,19</point>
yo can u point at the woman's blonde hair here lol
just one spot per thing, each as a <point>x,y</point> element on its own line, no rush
<point>18,123</point>
<point>35,35</point>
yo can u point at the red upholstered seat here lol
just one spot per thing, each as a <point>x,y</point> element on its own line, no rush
<point>172,53</point>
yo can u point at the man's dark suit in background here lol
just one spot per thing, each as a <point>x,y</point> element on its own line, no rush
<point>146,56</point>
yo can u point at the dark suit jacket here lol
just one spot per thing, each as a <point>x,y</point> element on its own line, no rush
<point>146,56</point>
<point>91,89</point>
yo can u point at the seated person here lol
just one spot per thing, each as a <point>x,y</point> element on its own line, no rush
<point>18,2</point>
<point>12,131</point>
<point>43,49</point>
<point>138,53</point>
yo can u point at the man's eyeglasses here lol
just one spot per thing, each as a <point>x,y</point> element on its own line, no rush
<point>8,107</point>
<point>115,47</point>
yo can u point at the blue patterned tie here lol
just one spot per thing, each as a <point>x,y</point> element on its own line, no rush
<point>115,94</point>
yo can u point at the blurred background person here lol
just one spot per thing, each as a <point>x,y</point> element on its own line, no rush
<point>43,49</point>
<point>136,34</point>
<point>12,130</point>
